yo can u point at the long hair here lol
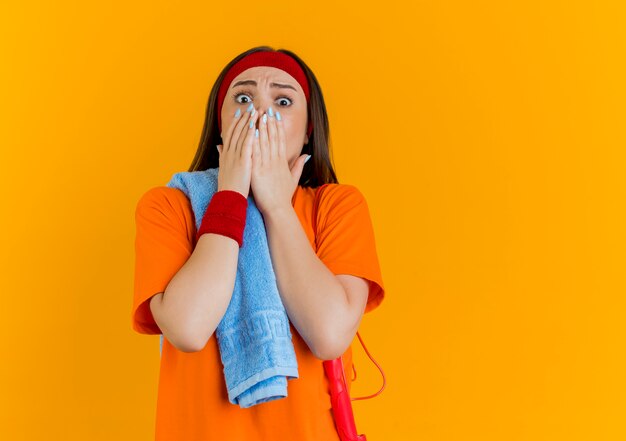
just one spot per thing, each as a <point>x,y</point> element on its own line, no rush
<point>317,171</point>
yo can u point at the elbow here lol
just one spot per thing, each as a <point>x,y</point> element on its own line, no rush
<point>188,348</point>
<point>191,349</point>
<point>184,340</point>
<point>180,342</point>
<point>328,353</point>
<point>189,339</point>
<point>192,339</point>
<point>196,343</point>
<point>336,340</point>
<point>331,347</point>
<point>187,342</point>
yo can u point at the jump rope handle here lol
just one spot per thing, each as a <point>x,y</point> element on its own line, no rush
<point>341,402</point>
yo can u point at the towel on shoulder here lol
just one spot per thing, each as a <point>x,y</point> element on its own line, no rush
<point>254,338</point>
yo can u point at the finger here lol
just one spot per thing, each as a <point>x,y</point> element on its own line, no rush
<point>231,127</point>
<point>256,149</point>
<point>235,129</point>
<point>280,128</point>
<point>238,143</point>
<point>249,138</point>
<point>264,140</point>
<point>271,128</point>
<point>248,131</point>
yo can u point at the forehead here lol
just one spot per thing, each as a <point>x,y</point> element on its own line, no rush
<point>267,74</point>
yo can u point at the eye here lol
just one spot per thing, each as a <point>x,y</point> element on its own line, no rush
<point>282,98</point>
<point>244,94</point>
<point>248,95</point>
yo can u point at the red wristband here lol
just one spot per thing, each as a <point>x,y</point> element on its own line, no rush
<point>225,215</point>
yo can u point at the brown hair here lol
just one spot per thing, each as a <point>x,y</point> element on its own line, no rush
<point>317,171</point>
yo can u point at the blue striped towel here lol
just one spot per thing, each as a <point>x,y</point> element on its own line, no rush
<point>253,336</point>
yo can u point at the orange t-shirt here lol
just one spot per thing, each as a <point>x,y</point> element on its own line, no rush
<point>192,402</point>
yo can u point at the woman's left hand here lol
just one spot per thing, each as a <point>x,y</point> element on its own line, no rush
<point>273,183</point>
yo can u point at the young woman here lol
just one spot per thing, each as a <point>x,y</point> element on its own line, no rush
<point>265,117</point>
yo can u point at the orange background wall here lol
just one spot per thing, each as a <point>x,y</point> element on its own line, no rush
<point>487,136</point>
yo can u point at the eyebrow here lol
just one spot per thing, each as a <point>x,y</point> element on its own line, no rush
<point>253,83</point>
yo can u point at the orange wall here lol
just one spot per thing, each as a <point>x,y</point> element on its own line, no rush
<point>487,136</point>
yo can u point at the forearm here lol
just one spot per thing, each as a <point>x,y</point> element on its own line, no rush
<point>198,295</point>
<point>315,301</point>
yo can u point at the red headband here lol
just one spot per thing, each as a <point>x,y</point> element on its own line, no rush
<point>263,58</point>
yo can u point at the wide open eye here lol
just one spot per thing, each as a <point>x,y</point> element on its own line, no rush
<point>246,97</point>
<point>283,98</point>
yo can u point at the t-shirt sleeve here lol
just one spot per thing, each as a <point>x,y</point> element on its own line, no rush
<point>345,238</point>
<point>163,243</point>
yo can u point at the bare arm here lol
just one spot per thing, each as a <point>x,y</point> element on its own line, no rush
<point>315,299</point>
<point>197,297</point>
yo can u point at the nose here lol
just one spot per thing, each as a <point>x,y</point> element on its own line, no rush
<point>262,104</point>
<point>262,108</point>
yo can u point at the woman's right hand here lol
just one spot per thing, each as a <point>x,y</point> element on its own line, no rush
<point>235,171</point>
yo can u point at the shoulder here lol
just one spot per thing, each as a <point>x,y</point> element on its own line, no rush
<point>344,195</point>
<point>164,202</point>
<point>163,197</point>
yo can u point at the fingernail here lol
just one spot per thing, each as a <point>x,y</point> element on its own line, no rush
<point>264,118</point>
<point>250,107</point>
<point>307,158</point>
<point>256,133</point>
<point>270,111</point>
<point>251,124</point>
<point>278,115</point>
<point>237,113</point>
